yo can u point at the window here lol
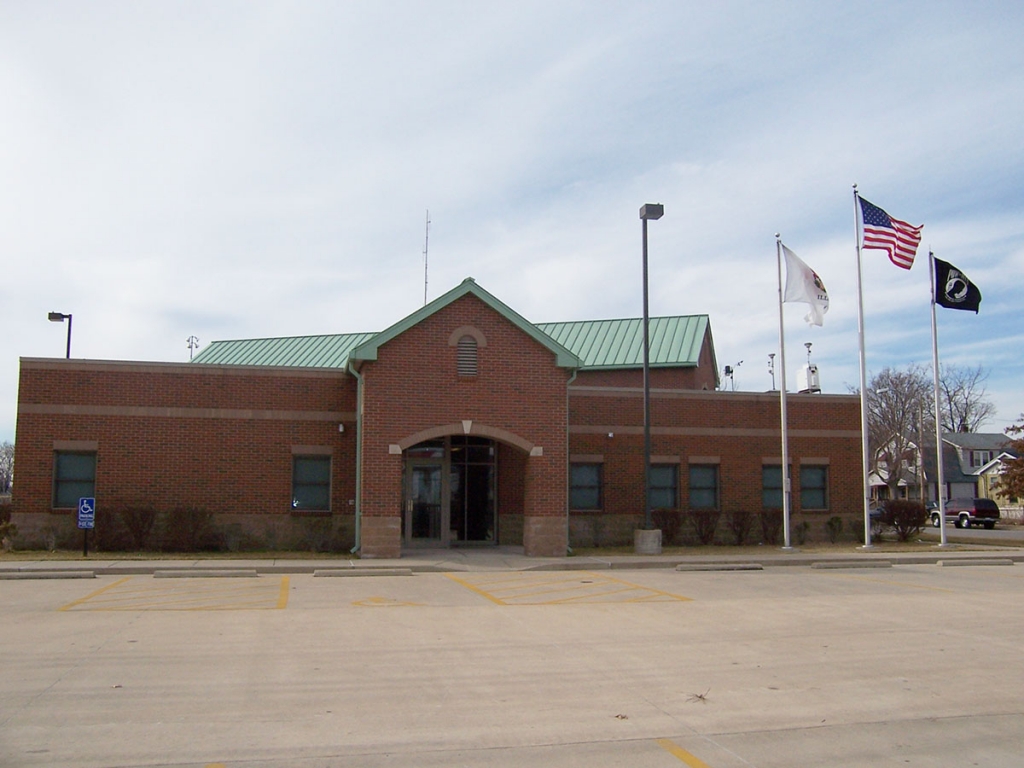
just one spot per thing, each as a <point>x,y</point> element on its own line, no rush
<point>466,356</point>
<point>74,477</point>
<point>585,486</point>
<point>703,486</point>
<point>664,486</point>
<point>980,458</point>
<point>771,486</point>
<point>813,487</point>
<point>311,483</point>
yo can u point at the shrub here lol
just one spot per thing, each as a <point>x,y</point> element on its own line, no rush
<point>800,533</point>
<point>906,517</point>
<point>857,529</point>
<point>8,530</point>
<point>110,534</point>
<point>138,521</point>
<point>740,523</point>
<point>187,529</point>
<point>834,528</point>
<point>771,525</point>
<point>705,521</point>
<point>668,521</point>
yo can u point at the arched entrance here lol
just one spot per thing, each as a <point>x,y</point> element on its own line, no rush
<point>450,492</point>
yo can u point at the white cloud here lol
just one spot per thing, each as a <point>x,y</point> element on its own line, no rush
<point>256,169</point>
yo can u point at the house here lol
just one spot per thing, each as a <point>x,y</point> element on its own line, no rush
<point>972,463</point>
<point>463,424</point>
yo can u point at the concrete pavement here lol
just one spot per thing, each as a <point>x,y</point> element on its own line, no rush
<point>492,663</point>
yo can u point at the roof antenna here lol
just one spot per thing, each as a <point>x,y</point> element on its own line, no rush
<point>426,247</point>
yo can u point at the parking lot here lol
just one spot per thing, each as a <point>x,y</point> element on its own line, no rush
<point>794,666</point>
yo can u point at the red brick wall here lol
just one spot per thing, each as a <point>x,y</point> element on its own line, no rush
<point>212,436</point>
<point>221,436</point>
<point>414,386</point>
<point>661,378</point>
<point>740,429</point>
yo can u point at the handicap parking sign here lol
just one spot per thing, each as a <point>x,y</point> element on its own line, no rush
<point>87,513</point>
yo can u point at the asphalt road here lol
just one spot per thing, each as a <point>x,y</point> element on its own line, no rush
<point>1011,535</point>
<point>794,666</point>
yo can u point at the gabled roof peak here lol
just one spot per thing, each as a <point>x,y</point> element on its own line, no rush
<point>368,350</point>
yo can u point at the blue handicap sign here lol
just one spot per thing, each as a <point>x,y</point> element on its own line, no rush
<point>87,512</point>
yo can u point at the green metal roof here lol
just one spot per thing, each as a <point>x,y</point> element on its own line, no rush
<point>593,344</point>
<point>675,341</point>
<point>298,351</point>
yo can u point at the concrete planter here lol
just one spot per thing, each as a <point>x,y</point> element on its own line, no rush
<point>647,542</point>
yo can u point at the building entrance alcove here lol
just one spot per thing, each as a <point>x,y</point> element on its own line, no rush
<point>450,492</point>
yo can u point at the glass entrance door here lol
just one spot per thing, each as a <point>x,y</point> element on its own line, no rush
<point>424,511</point>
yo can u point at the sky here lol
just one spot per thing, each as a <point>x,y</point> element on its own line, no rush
<point>227,170</point>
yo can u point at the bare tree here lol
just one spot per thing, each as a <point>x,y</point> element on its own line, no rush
<point>963,406</point>
<point>899,407</point>
<point>6,466</point>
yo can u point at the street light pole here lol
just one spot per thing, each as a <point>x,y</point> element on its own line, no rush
<point>60,317</point>
<point>652,212</point>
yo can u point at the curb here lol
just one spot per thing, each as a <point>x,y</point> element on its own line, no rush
<point>24,575</point>
<point>207,573</point>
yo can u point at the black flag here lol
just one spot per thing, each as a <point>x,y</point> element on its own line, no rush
<point>952,288</point>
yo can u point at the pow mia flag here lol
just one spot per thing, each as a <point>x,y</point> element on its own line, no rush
<point>952,288</point>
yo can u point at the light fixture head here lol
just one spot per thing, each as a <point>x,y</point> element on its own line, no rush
<point>652,211</point>
<point>57,317</point>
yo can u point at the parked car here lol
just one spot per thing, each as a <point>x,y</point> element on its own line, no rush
<point>967,512</point>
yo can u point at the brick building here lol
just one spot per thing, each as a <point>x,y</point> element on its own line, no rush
<point>462,424</point>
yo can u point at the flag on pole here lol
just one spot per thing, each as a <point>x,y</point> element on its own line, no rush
<point>804,285</point>
<point>952,288</point>
<point>885,233</point>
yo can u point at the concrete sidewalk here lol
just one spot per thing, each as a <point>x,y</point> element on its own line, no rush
<point>493,559</point>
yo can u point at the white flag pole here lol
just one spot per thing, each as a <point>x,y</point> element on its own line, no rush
<point>940,478</point>
<point>863,377</point>
<point>782,400</point>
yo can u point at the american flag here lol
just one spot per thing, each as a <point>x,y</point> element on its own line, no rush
<point>885,233</point>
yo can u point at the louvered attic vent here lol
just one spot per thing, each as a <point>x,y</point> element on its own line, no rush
<point>466,356</point>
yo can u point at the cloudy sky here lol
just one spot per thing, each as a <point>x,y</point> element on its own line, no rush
<point>248,169</point>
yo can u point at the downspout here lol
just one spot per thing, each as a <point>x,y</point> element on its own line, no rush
<point>568,462</point>
<point>359,457</point>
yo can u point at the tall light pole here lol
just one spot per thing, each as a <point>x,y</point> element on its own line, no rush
<point>648,212</point>
<point>60,317</point>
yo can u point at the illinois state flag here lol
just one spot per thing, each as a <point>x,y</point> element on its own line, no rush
<point>952,288</point>
<point>804,285</point>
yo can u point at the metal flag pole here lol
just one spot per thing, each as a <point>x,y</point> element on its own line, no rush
<point>863,377</point>
<point>782,405</point>
<point>940,478</point>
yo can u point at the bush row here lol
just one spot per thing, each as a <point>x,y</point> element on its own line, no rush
<point>740,527</point>
<point>141,527</point>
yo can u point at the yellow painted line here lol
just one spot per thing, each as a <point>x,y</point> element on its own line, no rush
<point>383,602</point>
<point>676,751</point>
<point>185,596</point>
<point>282,600</point>
<point>472,588</point>
<point>649,589</point>
<point>91,595</point>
